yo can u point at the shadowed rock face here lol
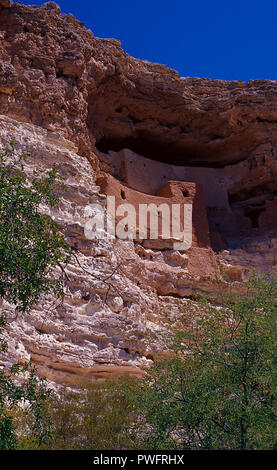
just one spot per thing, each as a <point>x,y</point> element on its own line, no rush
<point>196,122</point>
<point>65,76</point>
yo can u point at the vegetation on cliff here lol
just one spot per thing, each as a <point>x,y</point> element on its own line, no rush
<point>31,246</point>
<point>219,389</point>
<point>216,392</point>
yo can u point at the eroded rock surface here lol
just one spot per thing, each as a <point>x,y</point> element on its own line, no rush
<point>111,308</point>
<point>99,329</point>
<point>78,101</point>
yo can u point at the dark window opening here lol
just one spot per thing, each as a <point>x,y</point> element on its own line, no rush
<point>254,215</point>
<point>86,297</point>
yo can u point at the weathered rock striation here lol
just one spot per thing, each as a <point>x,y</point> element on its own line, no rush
<point>83,103</point>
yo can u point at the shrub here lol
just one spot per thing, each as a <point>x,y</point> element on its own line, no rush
<point>31,246</point>
<point>219,390</point>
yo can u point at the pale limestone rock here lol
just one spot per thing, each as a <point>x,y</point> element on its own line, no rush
<point>99,330</point>
<point>72,340</point>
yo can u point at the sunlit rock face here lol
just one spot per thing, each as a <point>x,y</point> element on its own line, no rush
<point>98,330</point>
<point>83,104</point>
<point>104,326</point>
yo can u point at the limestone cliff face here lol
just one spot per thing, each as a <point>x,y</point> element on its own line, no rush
<point>113,302</point>
<point>79,101</point>
<point>99,329</point>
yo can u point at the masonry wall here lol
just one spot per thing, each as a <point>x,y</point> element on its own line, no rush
<point>225,221</point>
<point>171,193</point>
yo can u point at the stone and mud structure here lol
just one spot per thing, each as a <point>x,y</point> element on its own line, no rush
<point>116,125</point>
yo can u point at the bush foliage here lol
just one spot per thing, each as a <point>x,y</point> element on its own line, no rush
<point>31,246</point>
<point>219,389</point>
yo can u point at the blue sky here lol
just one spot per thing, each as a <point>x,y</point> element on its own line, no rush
<point>232,40</point>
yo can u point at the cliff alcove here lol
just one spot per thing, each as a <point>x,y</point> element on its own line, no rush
<point>82,103</point>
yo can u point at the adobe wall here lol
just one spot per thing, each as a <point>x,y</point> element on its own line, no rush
<point>268,218</point>
<point>149,176</point>
<point>171,193</point>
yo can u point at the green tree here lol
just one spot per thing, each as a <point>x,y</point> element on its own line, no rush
<point>31,246</point>
<point>95,417</point>
<point>30,243</point>
<point>219,389</point>
<point>28,396</point>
